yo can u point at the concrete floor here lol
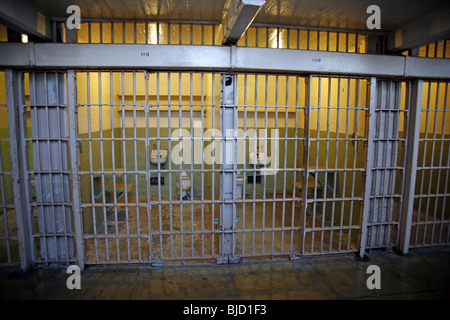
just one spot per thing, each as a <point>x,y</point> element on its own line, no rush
<point>424,274</point>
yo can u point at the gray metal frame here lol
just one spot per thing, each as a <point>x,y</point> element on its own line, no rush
<point>414,96</point>
<point>229,125</point>
<point>9,180</point>
<point>48,167</point>
<point>219,234</point>
<point>219,59</point>
<point>386,188</point>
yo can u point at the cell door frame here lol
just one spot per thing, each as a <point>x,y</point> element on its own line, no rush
<point>28,256</point>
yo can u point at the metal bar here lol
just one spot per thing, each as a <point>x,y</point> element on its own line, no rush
<point>238,17</point>
<point>6,231</point>
<point>228,129</point>
<point>169,120</point>
<point>136,177</point>
<point>60,97</point>
<point>124,164</point>
<point>433,153</point>
<point>440,160</point>
<point>202,87</point>
<point>36,163</point>
<point>191,123</point>
<point>295,167</point>
<point>48,98</point>
<point>358,98</point>
<point>94,220</point>
<point>180,125</point>
<point>102,161</point>
<point>425,166</point>
<point>266,92</point>
<point>370,163</point>
<point>425,145</point>
<point>316,166</point>
<point>54,55</point>
<point>74,165</point>
<point>213,90</point>
<point>113,161</point>
<point>306,148</point>
<point>147,165</point>
<point>158,148</point>
<point>18,161</point>
<point>47,186</point>
<point>285,162</point>
<point>326,158</point>
<point>336,147</point>
<point>244,176</point>
<point>265,150</point>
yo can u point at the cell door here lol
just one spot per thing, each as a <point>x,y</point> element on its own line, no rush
<point>148,145</point>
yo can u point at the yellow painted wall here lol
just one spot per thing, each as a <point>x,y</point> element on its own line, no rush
<point>251,92</point>
<point>102,93</point>
<point>3,34</point>
<point>283,38</point>
<point>251,89</point>
<point>124,32</point>
<point>3,113</point>
<point>346,101</point>
<point>436,98</point>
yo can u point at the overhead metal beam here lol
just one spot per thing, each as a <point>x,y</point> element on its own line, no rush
<point>217,58</point>
<point>238,16</point>
<point>426,68</point>
<point>54,55</point>
<point>262,59</point>
<point>428,29</point>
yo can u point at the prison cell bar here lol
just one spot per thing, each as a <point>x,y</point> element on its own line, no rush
<point>130,205</point>
<point>23,257</point>
<point>127,205</point>
<point>424,218</point>
<point>315,168</point>
<point>412,123</point>
<point>54,215</point>
<point>278,36</point>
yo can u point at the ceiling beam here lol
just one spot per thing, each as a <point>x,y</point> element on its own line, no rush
<point>23,18</point>
<point>217,59</point>
<point>238,16</point>
<point>428,29</point>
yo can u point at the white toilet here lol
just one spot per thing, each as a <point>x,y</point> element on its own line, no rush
<point>184,186</point>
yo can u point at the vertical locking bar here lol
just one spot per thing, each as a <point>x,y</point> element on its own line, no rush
<point>306,146</point>
<point>369,166</point>
<point>228,169</point>
<point>74,162</point>
<point>412,150</point>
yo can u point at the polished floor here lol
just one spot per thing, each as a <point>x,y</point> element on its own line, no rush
<point>424,274</point>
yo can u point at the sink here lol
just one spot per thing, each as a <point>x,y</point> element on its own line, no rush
<point>163,156</point>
